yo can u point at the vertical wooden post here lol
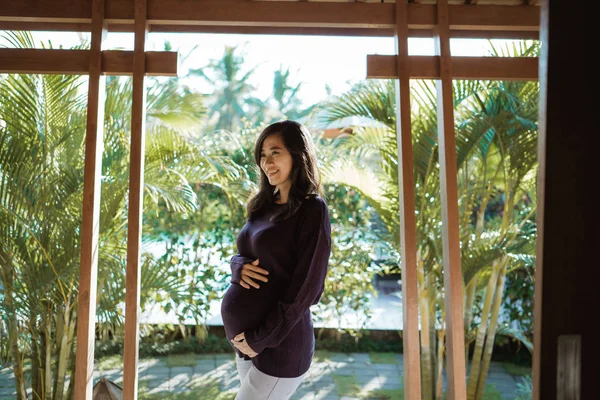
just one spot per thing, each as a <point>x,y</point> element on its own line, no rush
<point>453,280</point>
<point>136,188</point>
<point>565,350</point>
<point>88,270</point>
<point>536,368</point>
<point>410,295</point>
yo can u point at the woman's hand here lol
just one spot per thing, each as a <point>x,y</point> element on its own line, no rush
<point>251,272</point>
<point>240,343</point>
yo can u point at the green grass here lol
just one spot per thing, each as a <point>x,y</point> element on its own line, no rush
<point>517,370</point>
<point>321,355</point>
<point>110,362</point>
<point>346,385</point>
<point>182,360</point>
<point>383,358</point>
<point>201,389</point>
<point>380,394</point>
<point>491,393</point>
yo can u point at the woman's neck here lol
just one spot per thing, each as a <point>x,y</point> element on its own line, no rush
<point>284,192</point>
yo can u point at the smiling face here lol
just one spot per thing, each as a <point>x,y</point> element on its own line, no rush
<point>276,161</point>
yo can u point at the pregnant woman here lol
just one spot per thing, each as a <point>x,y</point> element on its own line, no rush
<point>280,268</point>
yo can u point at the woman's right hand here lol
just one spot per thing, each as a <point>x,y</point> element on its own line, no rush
<point>250,273</point>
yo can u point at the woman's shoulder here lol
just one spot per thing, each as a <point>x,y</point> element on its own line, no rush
<point>315,216</point>
<point>314,209</point>
<point>315,201</point>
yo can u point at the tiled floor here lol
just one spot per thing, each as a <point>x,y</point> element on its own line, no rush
<point>325,380</point>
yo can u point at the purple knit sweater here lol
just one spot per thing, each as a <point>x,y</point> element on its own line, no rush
<point>276,318</point>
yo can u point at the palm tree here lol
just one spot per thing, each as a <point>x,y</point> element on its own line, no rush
<point>42,132</point>
<point>496,131</point>
<point>232,98</point>
<point>285,95</point>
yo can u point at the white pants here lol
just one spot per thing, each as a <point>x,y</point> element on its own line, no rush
<point>256,385</point>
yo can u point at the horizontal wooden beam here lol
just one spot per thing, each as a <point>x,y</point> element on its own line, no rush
<point>271,14</point>
<point>428,67</point>
<point>266,30</point>
<point>46,61</point>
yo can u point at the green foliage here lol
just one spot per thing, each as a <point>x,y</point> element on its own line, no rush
<point>285,95</point>
<point>348,286</point>
<point>168,347</point>
<point>517,370</point>
<point>496,155</point>
<point>525,389</point>
<point>42,150</point>
<point>196,184</point>
<point>114,361</point>
<point>491,393</point>
<point>231,90</point>
<point>518,299</point>
<point>321,355</point>
<point>383,358</point>
<point>186,278</point>
<point>212,344</point>
<point>160,342</point>
<point>364,344</point>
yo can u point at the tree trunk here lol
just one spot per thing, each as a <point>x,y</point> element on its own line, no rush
<point>427,379</point>
<point>64,355</point>
<point>433,344</point>
<point>36,364</point>
<point>48,363</point>
<point>60,331</point>
<point>17,365</point>
<point>13,330</point>
<point>481,332</point>
<point>71,390</point>
<point>201,333</point>
<point>439,386</point>
<point>489,345</point>
<point>63,358</point>
<point>468,310</point>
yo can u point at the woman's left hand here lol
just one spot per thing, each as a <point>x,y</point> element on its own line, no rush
<point>240,343</point>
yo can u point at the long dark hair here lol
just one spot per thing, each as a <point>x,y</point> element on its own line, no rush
<point>304,174</point>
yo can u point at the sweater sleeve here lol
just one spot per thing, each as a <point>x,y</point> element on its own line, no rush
<point>308,279</point>
<point>237,263</point>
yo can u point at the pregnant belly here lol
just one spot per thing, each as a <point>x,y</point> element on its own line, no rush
<point>243,309</point>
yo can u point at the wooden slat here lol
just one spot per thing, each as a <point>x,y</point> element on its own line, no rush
<point>493,17</point>
<point>327,31</point>
<point>279,13</point>
<point>428,67</point>
<point>453,281</point>
<point>48,10</point>
<point>46,61</point>
<point>88,270</point>
<point>158,63</point>
<point>267,30</point>
<point>410,293</point>
<point>136,204</point>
